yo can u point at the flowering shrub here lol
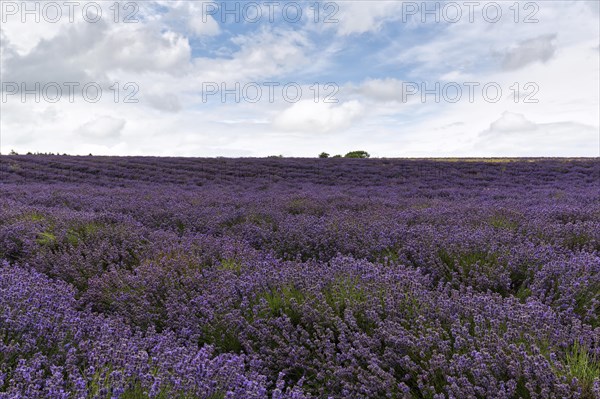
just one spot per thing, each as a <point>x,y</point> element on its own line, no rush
<point>183,278</point>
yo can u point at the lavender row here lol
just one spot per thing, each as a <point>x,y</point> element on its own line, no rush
<point>299,278</point>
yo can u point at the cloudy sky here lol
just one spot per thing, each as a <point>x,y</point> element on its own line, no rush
<point>193,78</point>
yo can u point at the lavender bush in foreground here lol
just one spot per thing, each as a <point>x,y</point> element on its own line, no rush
<point>330,278</point>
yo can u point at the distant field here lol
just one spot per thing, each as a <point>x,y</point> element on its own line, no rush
<point>497,160</point>
<point>220,278</point>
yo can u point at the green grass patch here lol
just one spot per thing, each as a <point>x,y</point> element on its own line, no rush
<point>584,367</point>
<point>286,300</point>
<point>297,206</point>
<point>232,265</point>
<point>387,256</point>
<point>136,391</point>
<point>585,299</point>
<point>463,263</point>
<point>46,239</point>
<point>223,337</point>
<point>32,217</point>
<point>523,293</point>
<point>80,233</point>
<point>347,293</point>
<point>343,292</point>
<point>503,222</point>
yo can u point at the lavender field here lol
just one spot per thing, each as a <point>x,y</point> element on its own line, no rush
<point>298,278</point>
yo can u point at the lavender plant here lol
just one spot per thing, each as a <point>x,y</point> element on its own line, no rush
<point>274,278</point>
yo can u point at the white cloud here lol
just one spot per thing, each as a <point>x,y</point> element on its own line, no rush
<point>473,47</point>
<point>102,128</point>
<point>143,49</point>
<point>310,117</point>
<point>161,54</point>
<point>382,90</point>
<point>540,48</point>
<point>189,15</point>
<point>510,122</point>
<point>357,17</point>
<point>203,26</point>
<point>455,76</point>
<point>168,102</point>
<point>514,135</point>
<point>90,52</point>
<point>23,37</point>
<point>266,53</point>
